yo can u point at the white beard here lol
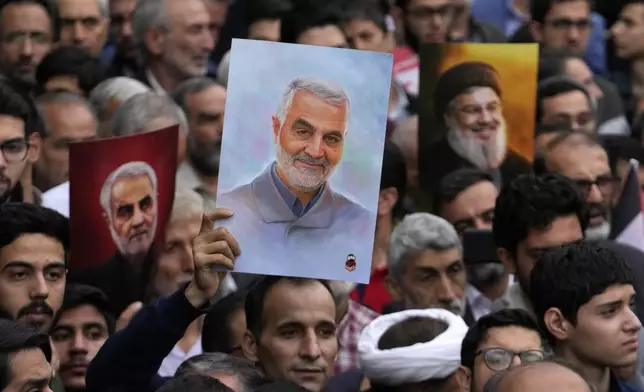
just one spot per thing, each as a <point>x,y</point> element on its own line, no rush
<point>597,233</point>
<point>485,156</point>
<point>303,179</point>
<point>139,246</point>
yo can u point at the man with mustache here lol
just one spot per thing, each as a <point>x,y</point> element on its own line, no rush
<point>290,210</point>
<point>426,268</point>
<point>203,100</point>
<point>582,159</point>
<point>129,201</point>
<point>82,325</point>
<point>467,98</point>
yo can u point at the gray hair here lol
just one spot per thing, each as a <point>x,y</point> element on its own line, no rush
<point>103,6</point>
<point>119,89</point>
<point>191,86</point>
<point>137,112</point>
<point>148,14</point>
<point>187,203</point>
<point>62,97</point>
<point>248,376</point>
<point>128,170</point>
<point>418,232</point>
<point>323,89</point>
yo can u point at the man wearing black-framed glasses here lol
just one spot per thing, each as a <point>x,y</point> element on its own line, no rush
<point>18,146</point>
<point>500,341</point>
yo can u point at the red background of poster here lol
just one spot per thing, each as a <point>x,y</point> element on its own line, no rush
<point>90,164</point>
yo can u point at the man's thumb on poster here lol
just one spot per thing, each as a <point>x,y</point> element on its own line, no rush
<point>210,217</point>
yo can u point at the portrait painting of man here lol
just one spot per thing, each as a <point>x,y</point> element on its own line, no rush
<point>310,200</point>
<point>121,193</point>
<point>478,110</point>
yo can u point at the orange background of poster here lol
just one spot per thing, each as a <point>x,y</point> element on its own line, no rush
<point>90,163</point>
<point>517,65</point>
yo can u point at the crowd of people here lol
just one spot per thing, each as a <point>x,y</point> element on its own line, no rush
<point>480,281</point>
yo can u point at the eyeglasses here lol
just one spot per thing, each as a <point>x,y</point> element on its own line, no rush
<point>425,13</point>
<point>14,150</point>
<point>498,359</point>
<point>605,184</point>
<point>567,24</point>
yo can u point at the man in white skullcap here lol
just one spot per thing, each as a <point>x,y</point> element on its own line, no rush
<point>414,351</point>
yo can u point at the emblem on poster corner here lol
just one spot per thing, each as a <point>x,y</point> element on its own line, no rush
<point>351,264</point>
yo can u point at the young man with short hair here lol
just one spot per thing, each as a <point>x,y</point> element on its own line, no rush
<point>583,296</point>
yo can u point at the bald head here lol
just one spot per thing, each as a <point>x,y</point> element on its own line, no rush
<point>538,377</point>
<point>574,154</point>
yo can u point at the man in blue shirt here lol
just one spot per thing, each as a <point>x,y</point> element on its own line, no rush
<point>555,24</point>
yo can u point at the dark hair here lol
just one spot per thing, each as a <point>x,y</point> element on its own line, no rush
<point>557,85</point>
<point>282,386</point>
<point>191,86</point>
<point>72,61</point>
<point>493,383</point>
<point>77,295</point>
<point>478,333</point>
<point>247,374</point>
<point>17,219</point>
<point>552,62</point>
<point>539,9</point>
<point>456,182</point>
<point>569,276</point>
<point>371,10</point>
<point>394,174</point>
<point>621,148</point>
<point>194,383</point>
<point>216,333</point>
<point>306,15</point>
<point>532,202</point>
<point>268,9</point>
<point>255,299</point>
<point>407,333</point>
<point>14,338</point>
<point>14,105</point>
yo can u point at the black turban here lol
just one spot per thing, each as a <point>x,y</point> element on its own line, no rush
<point>461,77</point>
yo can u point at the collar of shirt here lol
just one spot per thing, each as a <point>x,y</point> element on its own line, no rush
<point>480,304</point>
<point>154,83</point>
<point>291,200</point>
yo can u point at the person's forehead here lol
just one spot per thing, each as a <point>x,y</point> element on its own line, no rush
<point>615,293</point>
<point>11,128</point>
<point>187,12</point>
<point>580,160</point>
<point>438,260</point>
<point>307,303</point>
<point>428,3</point>
<point>478,95</point>
<point>359,25</point>
<point>125,186</point>
<point>480,191</point>
<point>212,95</point>
<point>330,35</point>
<point>512,337</point>
<point>79,8</point>
<point>307,102</point>
<point>562,230</point>
<point>568,102</point>
<point>9,13</point>
<point>122,6</point>
<point>80,315</point>
<point>569,8</point>
<point>38,250</point>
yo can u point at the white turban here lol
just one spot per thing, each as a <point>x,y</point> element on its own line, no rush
<point>435,359</point>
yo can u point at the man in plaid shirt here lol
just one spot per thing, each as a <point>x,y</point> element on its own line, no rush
<point>352,318</point>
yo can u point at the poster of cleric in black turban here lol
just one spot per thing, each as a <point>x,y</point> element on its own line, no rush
<point>301,158</point>
<point>477,110</point>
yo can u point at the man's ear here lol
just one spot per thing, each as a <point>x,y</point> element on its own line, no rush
<point>276,126</point>
<point>507,259</point>
<point>557,324</point>
<point>463,378</point>
<point>535,31</point>
<point>35,144</point>
<point>249,346</point>
<point>154,41</point>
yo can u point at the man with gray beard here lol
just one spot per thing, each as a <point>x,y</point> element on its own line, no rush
<point>426,268</point>
<point>467,98</point>
<point>289,209</point>
<point>203,100</point>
